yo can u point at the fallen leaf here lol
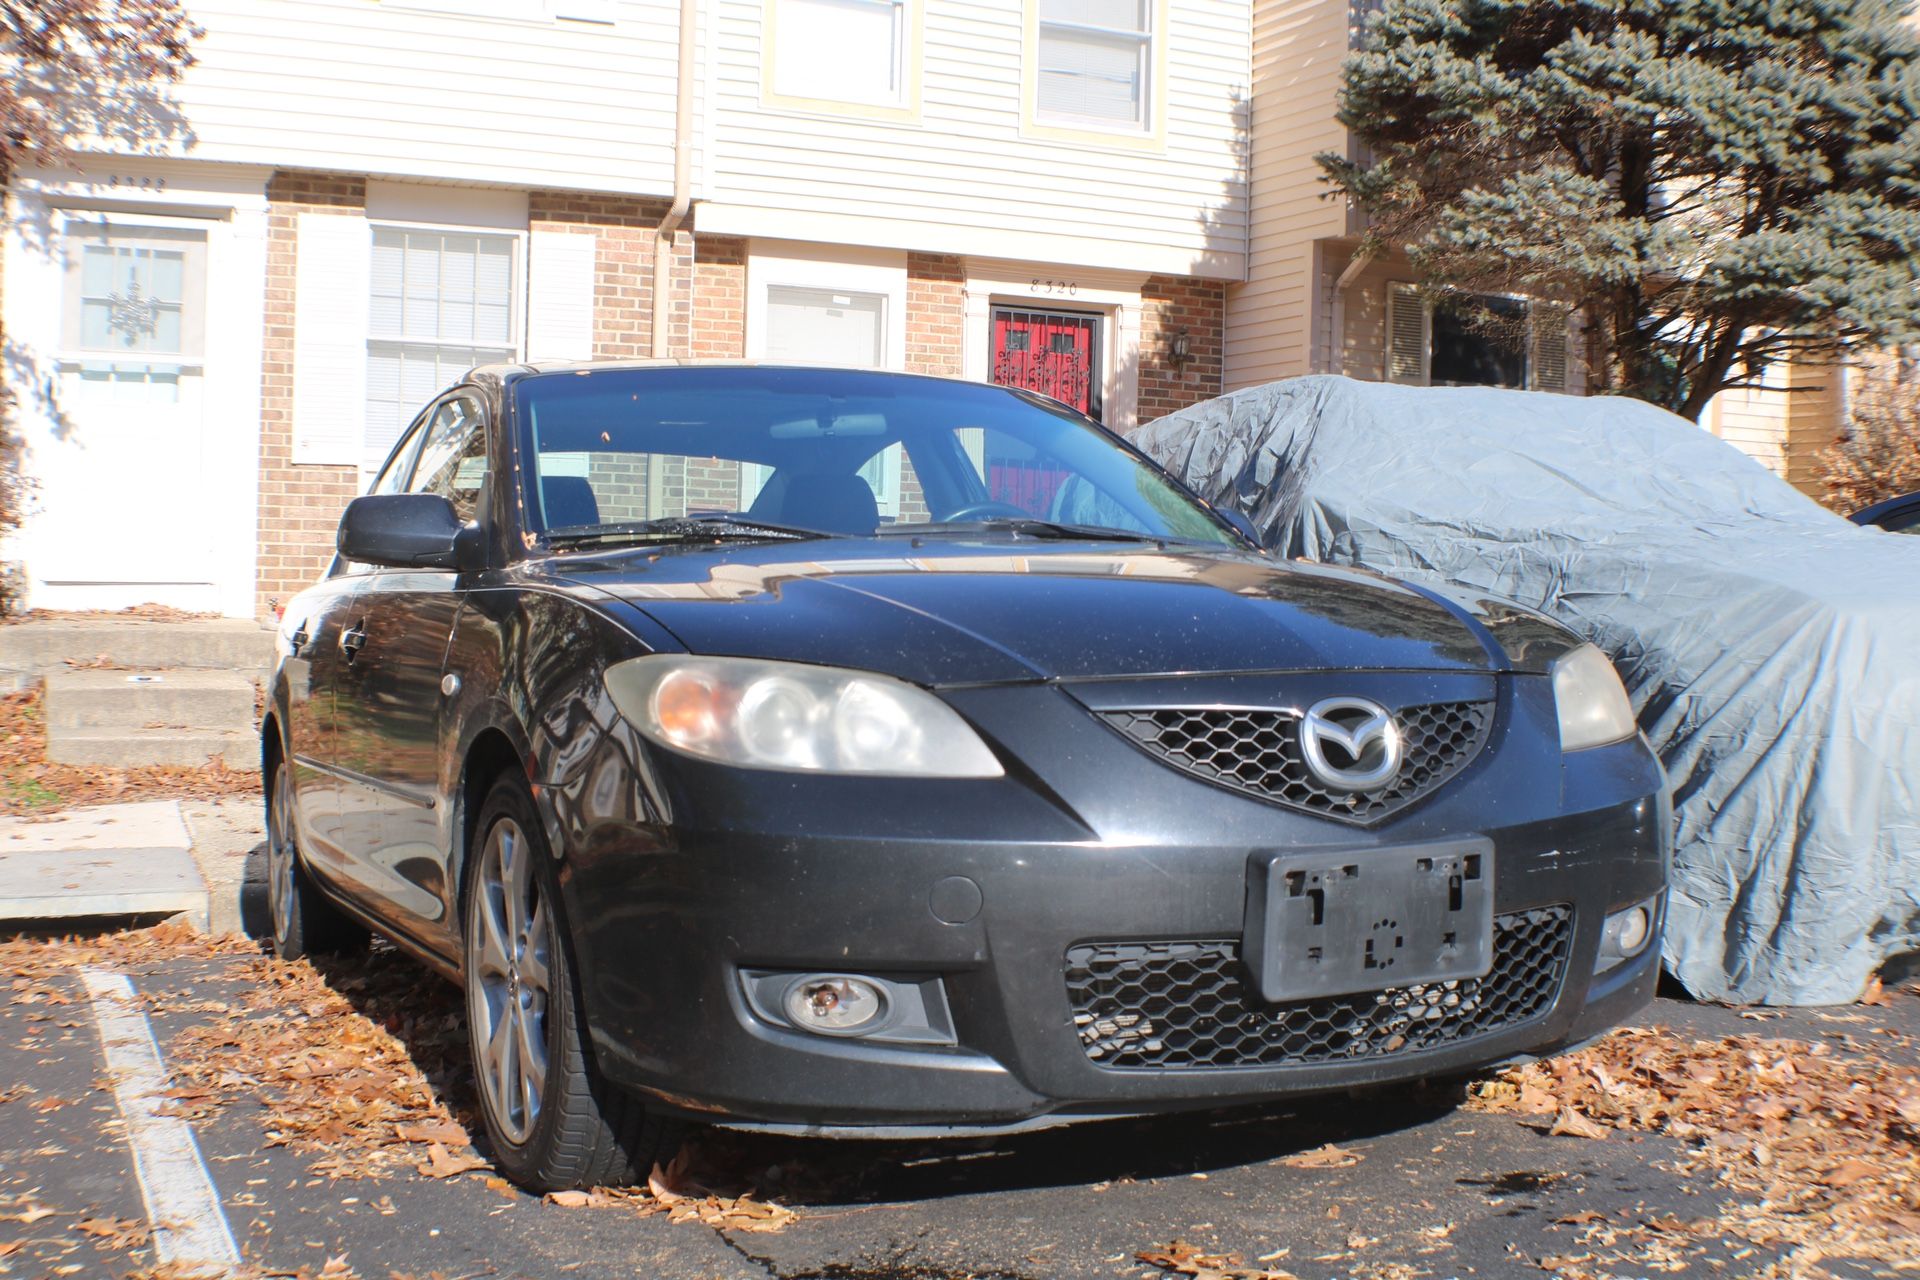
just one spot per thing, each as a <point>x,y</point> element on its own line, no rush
<point>1572,1123</point>
<point>1324,1157</point>
<point>658,1188</point>
<point>113,1233</point>
<point>432,1131</point>
<point>443,1164</point>
<point>1876,993</point>
<point>1848,1172</point>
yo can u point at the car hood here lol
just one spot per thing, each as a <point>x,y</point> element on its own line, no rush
<point>943,611</point>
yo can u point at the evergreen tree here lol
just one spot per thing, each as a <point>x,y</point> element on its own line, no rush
<point>1716,184</point>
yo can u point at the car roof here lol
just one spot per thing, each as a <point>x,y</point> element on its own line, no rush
<point>521,369</point>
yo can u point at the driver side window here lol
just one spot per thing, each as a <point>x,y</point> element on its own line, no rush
<point>453,457</point>
<point>400,467</point>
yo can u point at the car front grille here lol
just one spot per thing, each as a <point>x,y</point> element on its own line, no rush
<point>1258,752</point>
<point>1188,1005</point>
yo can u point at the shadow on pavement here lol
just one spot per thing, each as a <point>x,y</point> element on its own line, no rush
<point>425,1013</point>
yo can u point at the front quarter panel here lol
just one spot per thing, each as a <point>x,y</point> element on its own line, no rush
<point>530,659</point>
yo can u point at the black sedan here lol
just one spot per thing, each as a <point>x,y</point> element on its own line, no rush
<point>1895,515</point>
<point>844,752</point>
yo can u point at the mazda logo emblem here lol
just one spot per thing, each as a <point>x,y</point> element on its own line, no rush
<point>1351,744</point>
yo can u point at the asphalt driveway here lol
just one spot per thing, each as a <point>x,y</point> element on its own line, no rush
<point>328,1110</point>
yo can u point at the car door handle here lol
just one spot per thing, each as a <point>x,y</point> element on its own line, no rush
<point>351,639</point>
<point>299,638</point>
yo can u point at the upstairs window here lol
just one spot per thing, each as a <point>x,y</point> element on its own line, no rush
<point>839,51</point>
<point>442,303</point>
<point>1094,61</point>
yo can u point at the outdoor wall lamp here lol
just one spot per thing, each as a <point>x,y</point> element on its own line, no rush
<point>1180,349</point>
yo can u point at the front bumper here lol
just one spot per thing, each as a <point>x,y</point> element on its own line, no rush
<point>674,886</point>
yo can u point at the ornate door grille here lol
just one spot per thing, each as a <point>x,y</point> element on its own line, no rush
<point>1056,353</point>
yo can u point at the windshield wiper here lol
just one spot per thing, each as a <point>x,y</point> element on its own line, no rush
<point>712,526</point>
<point>1025,526</point>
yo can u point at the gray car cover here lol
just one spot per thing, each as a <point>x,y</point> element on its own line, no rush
<point>1772,649</point>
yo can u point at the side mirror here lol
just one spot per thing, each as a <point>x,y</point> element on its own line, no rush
<point>402,530</point>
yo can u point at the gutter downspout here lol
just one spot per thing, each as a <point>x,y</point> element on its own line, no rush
<point>664,235</point>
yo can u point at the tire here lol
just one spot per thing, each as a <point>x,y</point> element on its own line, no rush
<point>553,1123</point>
<point>302,921</point>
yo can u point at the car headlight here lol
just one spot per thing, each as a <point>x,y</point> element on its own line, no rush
<point>786,715</point>
<point>1594,709</point>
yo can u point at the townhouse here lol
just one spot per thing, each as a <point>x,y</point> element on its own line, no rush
<point>362,198</point>
<point>221,324</point>
<point>1314,302</point>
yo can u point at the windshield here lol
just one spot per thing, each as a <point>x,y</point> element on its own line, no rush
<point>825,451</point>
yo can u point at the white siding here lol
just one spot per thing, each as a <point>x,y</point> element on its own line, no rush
<point>964,178</point>
<point>1786,423</point>
<point>382,89</point>
<point>1298,46</point>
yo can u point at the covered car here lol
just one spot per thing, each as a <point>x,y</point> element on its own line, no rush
<point>1772,648</point>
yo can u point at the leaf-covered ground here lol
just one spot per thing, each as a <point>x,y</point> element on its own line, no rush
<point>358,1067</point>
<point>1805,1148</point>
<point>30,783</point>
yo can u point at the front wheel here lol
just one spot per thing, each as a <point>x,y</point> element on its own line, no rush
<point>552,1121</point>
<point>304,923</point>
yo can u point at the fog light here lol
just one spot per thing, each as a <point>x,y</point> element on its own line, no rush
<point>834,1004</point>
<point>1626,935</point>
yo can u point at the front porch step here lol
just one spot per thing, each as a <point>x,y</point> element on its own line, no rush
<point>134,748</point>
<point>38,647</point>
<point>167,699</point>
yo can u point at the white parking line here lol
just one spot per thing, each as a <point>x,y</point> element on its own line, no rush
<point>189,1228</point>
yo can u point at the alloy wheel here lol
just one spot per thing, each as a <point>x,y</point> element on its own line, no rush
<point>281,854</point>
<point>507,998</point>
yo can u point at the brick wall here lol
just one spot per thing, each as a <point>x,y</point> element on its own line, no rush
<point>299,505</point>
<point>717,320</point>
<point>936,313</point>
<point>623,263</point>
<point>719,314</point>
<point>1170,304</point>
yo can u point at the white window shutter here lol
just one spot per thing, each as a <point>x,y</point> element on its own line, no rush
<point>560,295</point>
<point>1409,334</point>
<point>330,307</point>
<point>1551,366</point>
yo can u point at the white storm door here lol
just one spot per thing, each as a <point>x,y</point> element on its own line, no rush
<point>832,327</point>
<point>122,504</point>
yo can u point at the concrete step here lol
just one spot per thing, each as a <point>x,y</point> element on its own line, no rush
<point>171,699</point>
<point>110,860</point>
<point>133,748</point>
<point>42,646</point>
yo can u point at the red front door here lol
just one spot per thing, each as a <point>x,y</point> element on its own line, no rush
<point>1053,352</point>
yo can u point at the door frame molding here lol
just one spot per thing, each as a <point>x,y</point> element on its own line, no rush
<point>1113,295</point>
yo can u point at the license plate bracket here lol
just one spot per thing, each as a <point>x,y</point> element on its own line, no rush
<point>1348,921</point>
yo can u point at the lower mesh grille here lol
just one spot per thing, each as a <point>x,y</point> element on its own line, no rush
<point>1183,1005</point>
